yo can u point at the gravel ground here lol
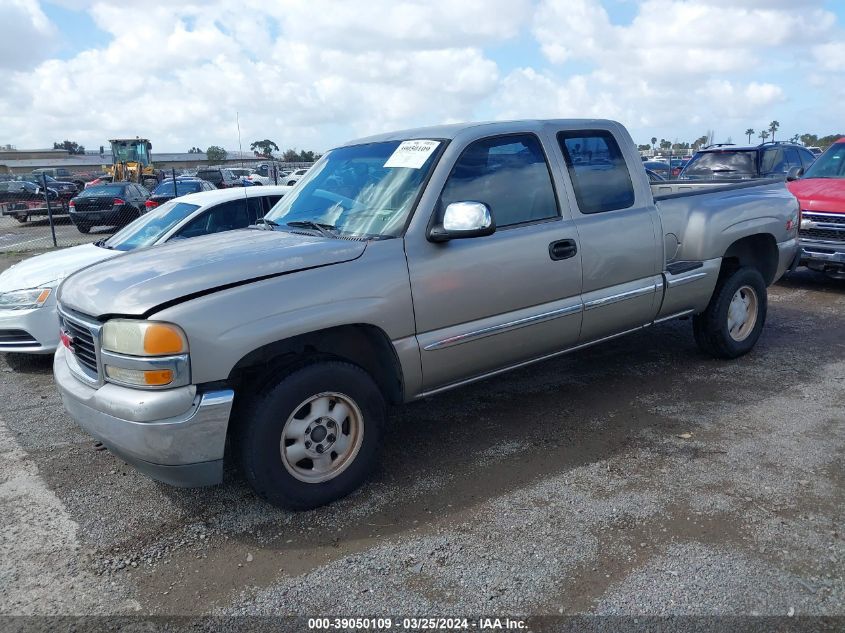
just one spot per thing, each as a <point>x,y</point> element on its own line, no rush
<point>635,478</point>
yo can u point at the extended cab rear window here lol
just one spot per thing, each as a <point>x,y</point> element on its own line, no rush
<point>600,177</point>
<point>725,163</point>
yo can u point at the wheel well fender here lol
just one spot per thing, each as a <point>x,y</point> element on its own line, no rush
<point>759,251</point>
<point>367,346</point>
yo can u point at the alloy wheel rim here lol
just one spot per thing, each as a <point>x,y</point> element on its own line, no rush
<point>322,437</point>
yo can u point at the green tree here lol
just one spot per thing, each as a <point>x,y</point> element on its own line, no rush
<point>264,148</point>
<point>72,147</point>
<point>773,127</point>
<point>307,156</point>
<point>195,150</point>
<point>653,142</point>
<point>749,133</point>
<point>764,135</point>
<point>290,156</point>
<point>826,141</point>
<point>809,139</point>
<point>215,154</point>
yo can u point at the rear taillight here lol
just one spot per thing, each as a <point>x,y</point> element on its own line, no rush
<point>71,204</point>
<point>676,171</point>
<point>151,204</point>
<point>118,202</point>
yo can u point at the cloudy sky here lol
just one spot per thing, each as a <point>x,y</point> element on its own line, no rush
<point>313,73</point>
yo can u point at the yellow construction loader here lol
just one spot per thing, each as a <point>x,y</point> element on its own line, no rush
<point>131,161</point>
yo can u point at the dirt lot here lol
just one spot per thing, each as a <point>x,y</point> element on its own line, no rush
<point>35,234</point>
<point>637,477</point>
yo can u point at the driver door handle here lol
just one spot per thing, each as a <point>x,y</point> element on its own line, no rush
<point>563,249</point>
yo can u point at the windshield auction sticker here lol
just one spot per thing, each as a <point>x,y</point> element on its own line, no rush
<point>412,154</point>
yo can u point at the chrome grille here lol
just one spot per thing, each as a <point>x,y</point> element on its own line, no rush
<point>827,227</point>
<point>84,343</point>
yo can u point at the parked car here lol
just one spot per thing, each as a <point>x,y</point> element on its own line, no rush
<point>400,267</point>
<point>816,151</point>
<point>734,162</point>
<point>59,173</point>
<point>24,190</point>
<point>22,199</point>
<point>114,204</point>
<point>184,185</point>
<point>658,167</point>
<point>293,177</point>
<point>821,194</point>
<point>220,178</point>
<point>653,176</point>
<point>102,179</point>
<point>677,165</point>
<point>65,188</point>
<point>28,316</point>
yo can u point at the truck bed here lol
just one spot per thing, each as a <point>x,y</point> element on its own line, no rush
<point>683,188</point>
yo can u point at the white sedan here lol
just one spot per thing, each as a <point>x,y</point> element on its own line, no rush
<point>28,319</point>
<point>291,179</point>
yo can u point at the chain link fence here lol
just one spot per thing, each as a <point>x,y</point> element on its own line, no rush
<point>35,218</point>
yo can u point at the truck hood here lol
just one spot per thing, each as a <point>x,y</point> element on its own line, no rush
<point>141,281</point>
<point>820,194</point>
<point>50,267</point>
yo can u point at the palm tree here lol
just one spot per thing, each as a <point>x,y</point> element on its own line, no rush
<point>653,142</point>
<point>764,135</point>
<point>773,127</point>
<point>748,133</point>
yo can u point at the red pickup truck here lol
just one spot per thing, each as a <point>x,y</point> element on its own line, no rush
<point>821,194</point>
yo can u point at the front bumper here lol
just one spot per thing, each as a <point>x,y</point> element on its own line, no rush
<point>176,435</point>
<point>34,331</point>
<point>823,256</point>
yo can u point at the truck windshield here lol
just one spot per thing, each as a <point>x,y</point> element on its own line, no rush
<point>831,164</point>
<point>146,230</point>
<point>361,190</point>
<point>726,164</point>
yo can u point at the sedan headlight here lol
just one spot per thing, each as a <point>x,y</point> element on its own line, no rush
<point>24,299</point>
<point>147,354</point>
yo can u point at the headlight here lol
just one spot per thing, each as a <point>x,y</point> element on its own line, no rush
<point>143,338</point>
<point>146,354</point>
<point>24,299</point>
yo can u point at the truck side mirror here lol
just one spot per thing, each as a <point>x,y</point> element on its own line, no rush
<point>462,220</point>
<point>794,174</point>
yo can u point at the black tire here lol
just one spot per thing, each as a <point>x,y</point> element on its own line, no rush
<point>258,439</point>
<point>83,228</point>
<point>710,328</point>
<point>22,218</point>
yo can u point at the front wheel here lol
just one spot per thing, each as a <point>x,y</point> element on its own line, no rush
<point>734,318</point>
<point>313,436</point>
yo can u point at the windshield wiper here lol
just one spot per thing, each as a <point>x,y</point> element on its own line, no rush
<point>265,225</point>
<point>324,229</point>
<point>102,244</point>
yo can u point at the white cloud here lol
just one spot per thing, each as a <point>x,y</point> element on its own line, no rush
<point>25,34</point>
<point>312,73</point>
<point>677,63</point>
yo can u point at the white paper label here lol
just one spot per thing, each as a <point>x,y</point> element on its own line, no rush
<point>411,154</point>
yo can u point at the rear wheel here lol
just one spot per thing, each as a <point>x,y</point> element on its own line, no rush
<point>313,436</point>
<point>22,218</point>
<point>84,228</point>
<point>733,321</point>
